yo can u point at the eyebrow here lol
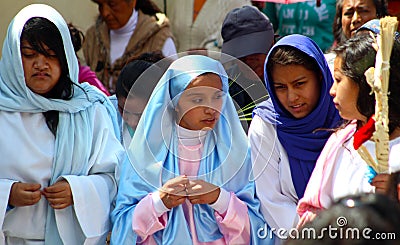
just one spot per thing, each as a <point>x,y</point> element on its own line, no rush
<point>294,81</point>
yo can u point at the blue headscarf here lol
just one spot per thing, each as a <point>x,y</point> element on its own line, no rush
<point>154,160</point>
<point>74,132</point>
<point>297,136</point>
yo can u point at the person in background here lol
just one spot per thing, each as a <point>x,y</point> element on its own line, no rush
<point>124,29</point>
<point>286,134</point>
<point>85,73</point>
<point>340,170</point>
<point>247,36</point>
<point>133,95</point>
<point>187,181</point>
<point>351,15</point>
<point>196,24</point>
<point>304,18</point>
<point>59,147</point>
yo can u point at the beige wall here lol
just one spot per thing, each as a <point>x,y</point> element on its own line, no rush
<point>81,13</point>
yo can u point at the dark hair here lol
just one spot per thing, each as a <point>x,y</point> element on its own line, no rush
<point>128,76</point>
<point>381,11</point>
<point>77,37</point>
<point>40,32</point>
<point>349,216</point>
<point>288,55</point>
<point>358,55</point>
<point>147,7</point>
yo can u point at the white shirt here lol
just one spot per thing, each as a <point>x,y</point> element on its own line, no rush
<point>274,186</point>
<point>119,39</point>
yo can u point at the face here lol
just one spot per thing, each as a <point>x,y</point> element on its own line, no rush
<point>297,89</point>
<point>355,13</point>
<point>41,72</point>
<point>256,63</point>
<point>115,13</point>
<point>131,109</point>
<point>200,104</point>
<point>345,94</point>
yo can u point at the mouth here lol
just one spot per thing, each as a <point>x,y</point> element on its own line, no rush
<point>209,121</point>
<point>41,75</point>
<point>297,107</point>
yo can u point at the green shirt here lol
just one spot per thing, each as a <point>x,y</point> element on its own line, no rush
<point>304,18</point>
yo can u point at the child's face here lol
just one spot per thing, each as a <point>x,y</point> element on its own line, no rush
<point>345,94</point>
<point>200,104</point>
<point>41,72</point>
<point>297,88</point>
<point>131,109</point>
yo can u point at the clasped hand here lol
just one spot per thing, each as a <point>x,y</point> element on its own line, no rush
<point>59,195</point>
<point>175,191</point>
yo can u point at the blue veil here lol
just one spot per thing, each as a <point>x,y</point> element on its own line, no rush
<point>154,160</point>
<point>74,132</point>
<point>297,136</point>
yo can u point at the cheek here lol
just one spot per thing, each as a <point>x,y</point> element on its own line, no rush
<point>282,98</point>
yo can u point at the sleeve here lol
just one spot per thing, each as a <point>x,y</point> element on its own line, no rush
<point>278,209</point>
<point>5,187</point>
<point>145,220</point>
<point>234,224</point>
<point>122,216</point>
<point>94,193</point>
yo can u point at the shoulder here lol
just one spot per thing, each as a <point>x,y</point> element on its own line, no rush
<point>259,127</point>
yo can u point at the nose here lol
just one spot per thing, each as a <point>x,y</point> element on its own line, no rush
<point>332,91</point>
<point>104,10</point>
<point>41,62</point>
<point>209,110</point>
<point>356,18</point>
<point>292,95</point>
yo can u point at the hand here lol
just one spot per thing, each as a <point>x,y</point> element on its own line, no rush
<point>381,183</point>
<point>59,195</point>
<point>202,192</point>
<point>24,194</point>
<point>173,192</point>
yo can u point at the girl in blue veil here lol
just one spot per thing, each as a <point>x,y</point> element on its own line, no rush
<point>187,180</point>
<point>284,136</point>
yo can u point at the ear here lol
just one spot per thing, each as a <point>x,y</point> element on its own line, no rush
<point>398,192</point>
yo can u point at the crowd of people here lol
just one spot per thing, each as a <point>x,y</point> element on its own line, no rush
<point>182,126</point>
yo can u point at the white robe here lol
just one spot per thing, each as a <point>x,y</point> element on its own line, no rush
<point>27,150</point>
<point>274,186</point>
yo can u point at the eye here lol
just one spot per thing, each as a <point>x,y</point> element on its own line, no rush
<point>348,13</point>
<point>279,87</point>
<point>197,100</point>
<point>219,96</point>
<point>299,84</point>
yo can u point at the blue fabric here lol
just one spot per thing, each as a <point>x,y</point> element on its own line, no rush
<point>370,175</point>
<point>297,136</point>
<point>153,160</point>
<point>73,137</point>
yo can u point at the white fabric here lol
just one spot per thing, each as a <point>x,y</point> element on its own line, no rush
<point>119,39</point>
<point>274,186</point>
<point>222,203</point>
<point>349,176</point>
<point>27,150</point>
<point>205,31</point>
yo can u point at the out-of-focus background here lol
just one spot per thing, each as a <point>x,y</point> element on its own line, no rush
<point>81,13</point>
